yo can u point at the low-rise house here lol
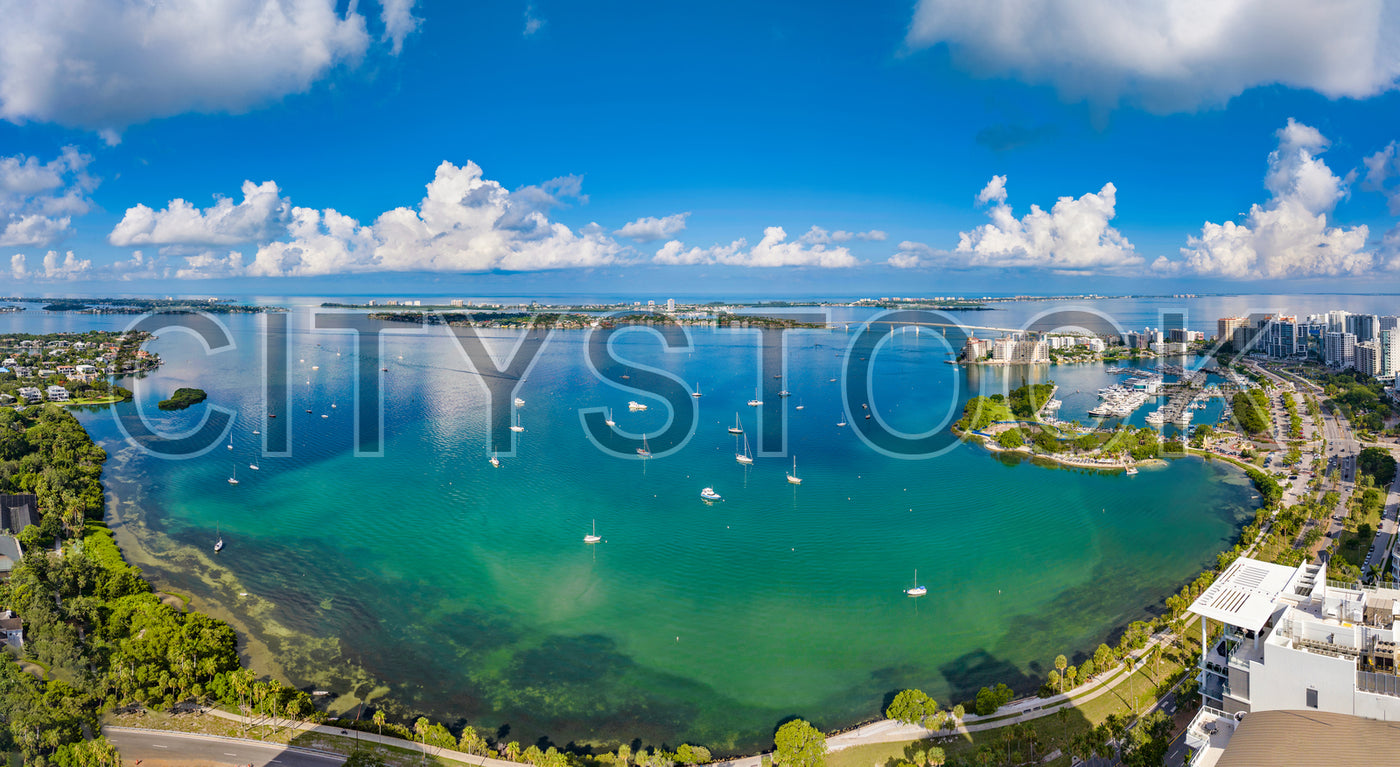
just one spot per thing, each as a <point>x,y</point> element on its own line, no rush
<point>18,512</point>
<point>30,394</point>
<point>57,393</point>
<point>12,629</point>
<point>10,554</point>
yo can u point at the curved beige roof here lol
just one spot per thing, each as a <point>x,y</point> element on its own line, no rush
<point>1311,739</point>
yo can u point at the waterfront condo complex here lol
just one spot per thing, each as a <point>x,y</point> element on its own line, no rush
<point>1291,640</point>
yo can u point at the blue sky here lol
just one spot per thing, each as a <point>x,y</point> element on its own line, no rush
<point>285,146</point>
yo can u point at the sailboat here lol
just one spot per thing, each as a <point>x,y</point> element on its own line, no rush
<point>800,405</point>
<point>736,428</point>
<point>644,451</point>
<point>842,422</point>
<point>495,461</point>
<point>918,590</point>
<point>593,537</point>
<point>253,466</point>
<point>755,402</point>
<point>218,544</point>
<point>745,457</point>
<point>696,393</point>
<point>516,425</point>
<point>230,440</point>
<point>793,479</point>
<point>609,420</point>
<point>233,479</point>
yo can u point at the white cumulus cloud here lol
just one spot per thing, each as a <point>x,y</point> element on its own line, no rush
<point>465,223</point>
<point>1170,55</point>
<point>773,250</point>
<point>1381,168</point>
<point>39,199</point>
<point>914,255</point>
<point>651,228</point>
<point>399,21</point>
<point>1289,235</point>
<point>106,64</point>
<point>262,215</point>
<point>819,236</point>
<point>1074,235</point>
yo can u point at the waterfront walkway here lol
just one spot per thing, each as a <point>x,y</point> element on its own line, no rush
<point>347,736</point>
<point>1016,712</point>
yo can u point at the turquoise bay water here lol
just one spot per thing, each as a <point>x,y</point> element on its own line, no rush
<point>467,591</point>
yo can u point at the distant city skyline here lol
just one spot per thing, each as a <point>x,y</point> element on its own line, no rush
<point>788,150</point>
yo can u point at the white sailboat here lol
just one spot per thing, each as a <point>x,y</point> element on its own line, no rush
<point>495,461</point>
<point>755,402</point>
<point>696,393</point>
<point>230,440</point>
<point>593,537</point>
<point>800,406</point>
<point>253,466</point>
<point>219,543</point>
<point>515,425</point>
<point>736,428</point>
<point>792,476</point>
<point>644,451</point>
<point>609,420</point>
<point>842,422</point>
<point>709,494</point>
<point>918,590</point>
<point>745,457</point>
<point>233,478</point>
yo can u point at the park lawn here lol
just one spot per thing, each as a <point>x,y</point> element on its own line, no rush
<point>1350,546</point>
<point>1054,731</point>
<point>104,400</point>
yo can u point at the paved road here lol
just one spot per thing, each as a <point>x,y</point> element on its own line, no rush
<point>155,748</point>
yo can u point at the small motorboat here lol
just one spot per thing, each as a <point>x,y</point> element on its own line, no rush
<point>709,494</point>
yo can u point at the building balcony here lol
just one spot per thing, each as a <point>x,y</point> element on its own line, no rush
<point>1207,736</point>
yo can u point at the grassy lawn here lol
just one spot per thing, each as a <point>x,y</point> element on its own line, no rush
<point>1351,546</point>
<point>1053,731</point>
<point>107,400</point>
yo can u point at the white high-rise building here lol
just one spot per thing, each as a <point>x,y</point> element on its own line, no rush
<point>1368,358</point>
<point>1340,350</point>
<point>671,305</point>
<point>1390,352</point>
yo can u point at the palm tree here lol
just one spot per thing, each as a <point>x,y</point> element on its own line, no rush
<point>421,727</point>
<point>1060,663</point>
<point>379,721</point>
<point>512,751</point>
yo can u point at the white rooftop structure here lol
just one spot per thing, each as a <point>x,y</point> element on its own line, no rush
<point>1244,594</point>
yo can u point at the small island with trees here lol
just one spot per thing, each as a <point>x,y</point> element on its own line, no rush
<point>183,398</point>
